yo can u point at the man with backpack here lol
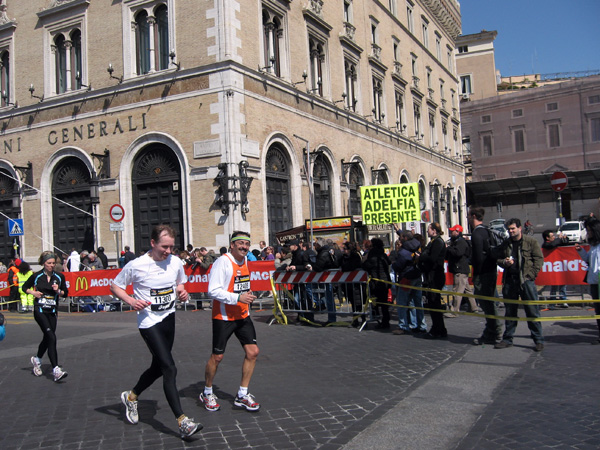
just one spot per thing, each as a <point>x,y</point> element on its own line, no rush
<point>485,273</point>
<point>458,255</point>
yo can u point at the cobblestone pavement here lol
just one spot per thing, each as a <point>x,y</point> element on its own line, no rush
<point>318,387</point>
<point>552,402</point>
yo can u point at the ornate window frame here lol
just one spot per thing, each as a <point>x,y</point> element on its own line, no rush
<point>131,8</point>
<point>63,17</point>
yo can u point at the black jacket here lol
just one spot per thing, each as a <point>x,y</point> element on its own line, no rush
<point>404,262</point>
<point>377,264</point>
<point>480,243</point>
<point>298,260</point>
<point>325,260</point>
<point>431,263</point>
<point>350,262</point>
<point>458,254</point>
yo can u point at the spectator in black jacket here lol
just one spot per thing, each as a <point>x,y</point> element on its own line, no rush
<point>102,257</point>
<point>485,273</point>
<point>325,260</point>
<point>458,254</point>
<point>551,241</point>
<point>377,264</point>
<point>351,261</point>
<point>431,263</point>
<point>407,273</point>
<point>302,292</point>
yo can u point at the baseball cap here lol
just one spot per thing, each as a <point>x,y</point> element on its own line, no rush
<point>17,262</point>
<point>456,228</point>
<point>122,253</point>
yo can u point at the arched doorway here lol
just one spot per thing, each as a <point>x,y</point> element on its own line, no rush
<point>156,181</point>
<point>72,217</point>
<point>322,187</point>
<point>10,207</point>
<point>279,201</point>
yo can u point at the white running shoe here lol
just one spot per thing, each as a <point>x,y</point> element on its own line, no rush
<point>247,401</point>
<point>210,402</point>
<point>131,410</point>
<point>59,374</point>
<point>37,366</point>
<point>188,427</point>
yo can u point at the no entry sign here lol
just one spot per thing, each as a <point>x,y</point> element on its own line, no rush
<point>117,212</point>
<point>559,181</point>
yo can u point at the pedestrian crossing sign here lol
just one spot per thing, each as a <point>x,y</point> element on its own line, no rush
<point>15,227</point>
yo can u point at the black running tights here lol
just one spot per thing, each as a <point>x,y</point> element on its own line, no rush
<point>159,339</point>
<point>47,323</point>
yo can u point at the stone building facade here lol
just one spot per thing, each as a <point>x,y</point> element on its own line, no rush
<point>200,114</point>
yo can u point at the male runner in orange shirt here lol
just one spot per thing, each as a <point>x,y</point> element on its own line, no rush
<point>229,287</point>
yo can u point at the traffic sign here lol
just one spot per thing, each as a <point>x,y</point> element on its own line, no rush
<point>119,226</point>
<point>15,227</point>
<point>559,181</point>
<point>117,213</point>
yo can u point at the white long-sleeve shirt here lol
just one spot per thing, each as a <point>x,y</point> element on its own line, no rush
<point>219,279</point>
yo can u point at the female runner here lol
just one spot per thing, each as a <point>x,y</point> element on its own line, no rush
<point>46,286</point>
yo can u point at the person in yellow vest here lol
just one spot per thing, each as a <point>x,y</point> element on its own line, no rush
<point>22,276</point>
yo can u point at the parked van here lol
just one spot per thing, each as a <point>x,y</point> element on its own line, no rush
<point>574,231</point>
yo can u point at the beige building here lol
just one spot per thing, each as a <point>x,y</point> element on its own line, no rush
<point>476,66</point>
<point>199,114</point>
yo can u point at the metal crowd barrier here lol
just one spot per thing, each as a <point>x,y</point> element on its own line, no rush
<point>305,293</point>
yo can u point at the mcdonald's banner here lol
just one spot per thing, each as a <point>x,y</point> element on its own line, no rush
<point>97,282</point>
<point>561,266</point>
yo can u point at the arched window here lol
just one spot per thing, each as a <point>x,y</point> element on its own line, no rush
<point>76,65</point>
<point>355,181</point>
<point>272,34</point>
<point>322,187</point>
<point>317,57</point>
<point>142,42</point>
<point>60,58</point>
<point>5,78</point>
<point>162,37</point>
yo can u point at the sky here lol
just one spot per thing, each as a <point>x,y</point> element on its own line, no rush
<point>536,36</point>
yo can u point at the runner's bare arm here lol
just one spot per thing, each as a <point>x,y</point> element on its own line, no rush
<point>121,294</point>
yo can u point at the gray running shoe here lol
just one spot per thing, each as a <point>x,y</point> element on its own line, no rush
<point>131,411</point>
<point>59,374</point>
<point>37,366</point>
<point>188,427</point>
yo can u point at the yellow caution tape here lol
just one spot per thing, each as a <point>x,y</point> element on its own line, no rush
<point>495,299</point>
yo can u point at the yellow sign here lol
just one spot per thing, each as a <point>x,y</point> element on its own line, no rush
<point>81,284</point>
<point>390,203</point>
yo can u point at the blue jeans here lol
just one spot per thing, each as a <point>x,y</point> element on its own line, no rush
<point>405,298</point>
<point>512,289</point>
<point>484,284</point>
<point>561,290</point>
<point>330,303</point>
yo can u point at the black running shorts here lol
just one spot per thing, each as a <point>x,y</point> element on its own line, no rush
<point>223,329</point>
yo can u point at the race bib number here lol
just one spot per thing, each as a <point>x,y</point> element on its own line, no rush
<point>47,301</point>
<point>162,299</point>
<point>241,284</point>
